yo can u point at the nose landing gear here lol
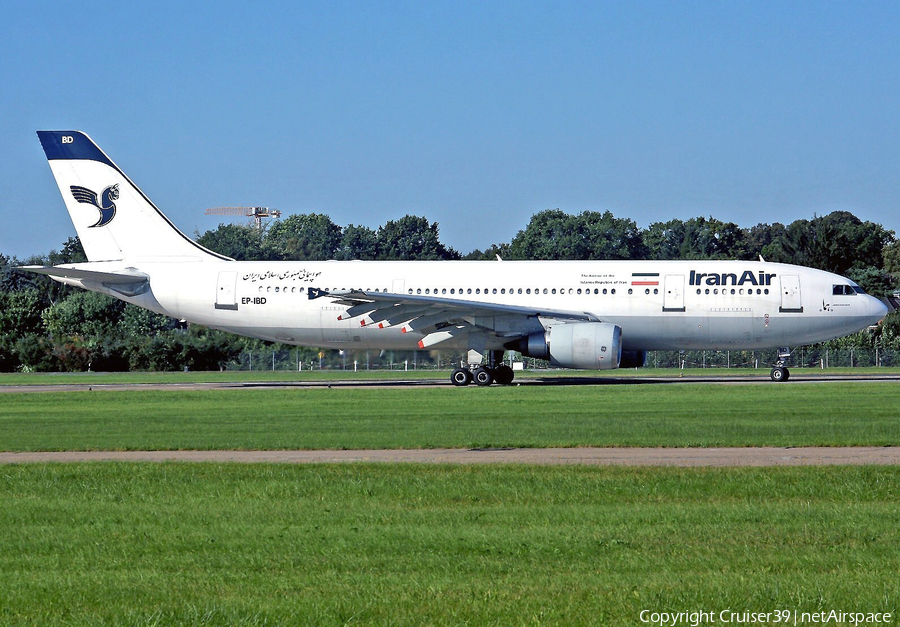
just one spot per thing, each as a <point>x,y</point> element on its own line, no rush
<point>779,371</point>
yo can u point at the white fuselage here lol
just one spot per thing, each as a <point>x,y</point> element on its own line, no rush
<point>659,305</point>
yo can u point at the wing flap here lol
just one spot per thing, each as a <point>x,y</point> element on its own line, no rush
<point>440,319</point>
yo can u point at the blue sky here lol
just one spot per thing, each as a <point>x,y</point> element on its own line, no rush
<point>476,115</point>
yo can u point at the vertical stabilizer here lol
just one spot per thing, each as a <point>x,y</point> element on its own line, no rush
<point>113,218</point>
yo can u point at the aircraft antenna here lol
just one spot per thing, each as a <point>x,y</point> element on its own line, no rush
<point>257,213</point>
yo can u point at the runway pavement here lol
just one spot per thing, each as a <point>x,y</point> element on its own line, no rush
<point>761,379</point>
<point>682,457</point>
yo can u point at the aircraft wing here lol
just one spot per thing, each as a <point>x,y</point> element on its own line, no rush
<point>127,281</point>
<point>440,319</point>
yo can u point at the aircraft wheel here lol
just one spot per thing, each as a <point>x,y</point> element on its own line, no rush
<point>483,376</point>
<point>504,375</point>
<point>780,373</point>
<point>461,377</point>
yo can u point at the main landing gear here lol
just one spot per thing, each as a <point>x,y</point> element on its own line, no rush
<point>494,372</point>
<point>780,371</point>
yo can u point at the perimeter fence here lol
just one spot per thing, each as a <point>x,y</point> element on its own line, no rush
<point>804,357</point>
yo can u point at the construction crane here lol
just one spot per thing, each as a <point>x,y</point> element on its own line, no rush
<point>257,213</point>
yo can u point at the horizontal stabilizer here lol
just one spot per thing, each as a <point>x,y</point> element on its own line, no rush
<point>127,281</point>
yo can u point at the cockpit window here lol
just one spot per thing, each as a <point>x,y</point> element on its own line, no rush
<point>858,289</point>
<point>846,290</point>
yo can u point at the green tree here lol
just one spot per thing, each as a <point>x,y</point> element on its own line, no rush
<point>71,252</point>
<point>890,256</point>
<point>761,236</point>
<point>305,237</point>
<point>358,242</point>
<point>835,243</point>
<point>238,241</point>
<point>874,280</point>
<point>697,238</point>
<point>85,314</point>
<point>21,312</point>
<point>412,238</point>
<point>555,234</point>
<point>490,254</point>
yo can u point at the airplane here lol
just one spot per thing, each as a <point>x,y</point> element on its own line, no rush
<point>596,315</point>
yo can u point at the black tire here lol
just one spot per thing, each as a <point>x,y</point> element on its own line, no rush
<point>461,377</point>
<point>779,374</point>
<point>504,375</point>
<point>483,376</point>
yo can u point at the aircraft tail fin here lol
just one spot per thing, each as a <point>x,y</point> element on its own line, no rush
<point>114,219</point>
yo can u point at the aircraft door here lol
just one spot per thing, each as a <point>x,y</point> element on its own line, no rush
<point>397,286</point>
<point>673,295</point>
<point>225,291</point>
<point>790,294</point>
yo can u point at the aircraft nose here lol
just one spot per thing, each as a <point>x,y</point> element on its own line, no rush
<point>876,310</point>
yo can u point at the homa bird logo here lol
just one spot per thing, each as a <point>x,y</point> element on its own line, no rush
<point>107,207</point>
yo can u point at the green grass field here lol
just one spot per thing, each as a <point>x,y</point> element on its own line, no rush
<point>701,414</point>
<point>211,544</point>
<point>231,544</point>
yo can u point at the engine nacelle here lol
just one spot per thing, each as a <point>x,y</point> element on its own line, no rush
<point>584,345</point>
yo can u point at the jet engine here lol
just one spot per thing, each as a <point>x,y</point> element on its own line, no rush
<point>585,345</point>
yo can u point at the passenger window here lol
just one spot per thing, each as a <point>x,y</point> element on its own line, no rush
<point>612,291</point>
<point>553,291</point>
